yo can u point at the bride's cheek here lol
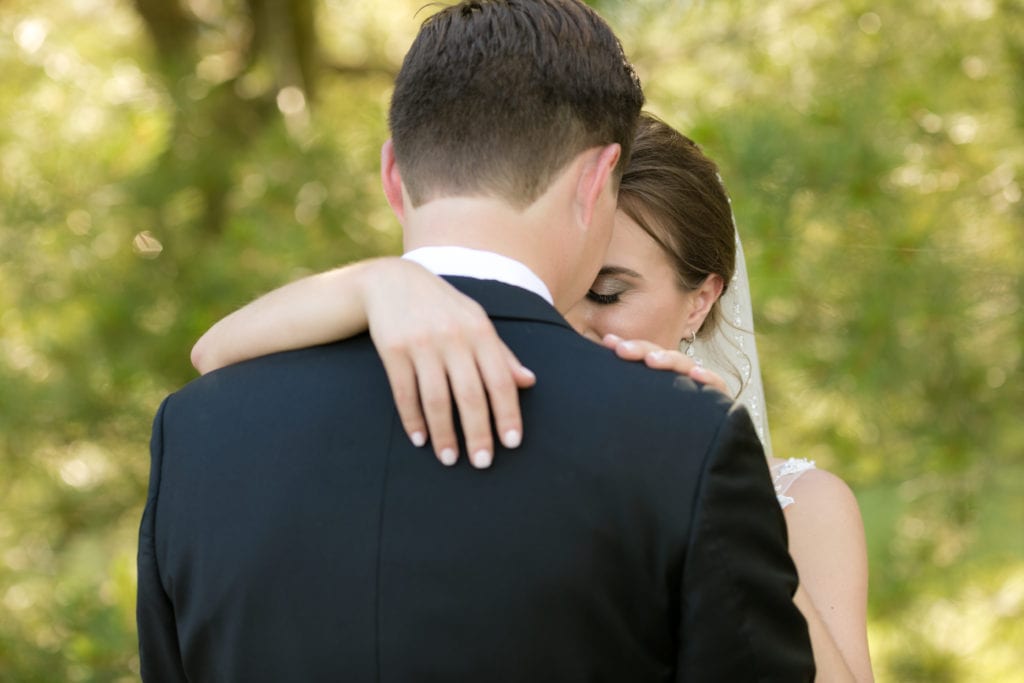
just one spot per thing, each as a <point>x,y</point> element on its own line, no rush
<point>618,324</point>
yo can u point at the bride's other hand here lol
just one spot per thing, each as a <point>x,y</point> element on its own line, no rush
<point>437,343</point>
<point>659,358</point>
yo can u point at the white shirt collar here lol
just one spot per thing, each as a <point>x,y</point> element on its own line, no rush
<point>482,265</point>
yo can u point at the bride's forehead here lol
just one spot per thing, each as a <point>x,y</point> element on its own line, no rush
<point>632,248</point>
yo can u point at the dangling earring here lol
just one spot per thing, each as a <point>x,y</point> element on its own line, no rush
<point>689,344</point>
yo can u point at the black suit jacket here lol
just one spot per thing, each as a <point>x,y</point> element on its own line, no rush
<point>292,532</point>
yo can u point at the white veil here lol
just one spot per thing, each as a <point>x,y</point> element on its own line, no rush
<point>732,351</point>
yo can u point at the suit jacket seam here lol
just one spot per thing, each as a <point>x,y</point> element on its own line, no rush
<point>380,549</point>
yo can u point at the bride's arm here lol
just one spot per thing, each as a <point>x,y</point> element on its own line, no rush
<point>829,663</point>
<point>429,336</point>
<point>826,541</point>
<point>290,317</point>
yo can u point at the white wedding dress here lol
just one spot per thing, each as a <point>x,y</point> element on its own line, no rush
<point>732,353</point>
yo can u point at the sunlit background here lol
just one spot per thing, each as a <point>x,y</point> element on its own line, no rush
<point>164,162</point>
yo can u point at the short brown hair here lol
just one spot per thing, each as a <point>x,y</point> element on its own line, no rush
<point>674,192</point>
<point>496,96</point>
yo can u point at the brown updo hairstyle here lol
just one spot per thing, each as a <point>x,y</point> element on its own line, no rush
<point>674,193</point>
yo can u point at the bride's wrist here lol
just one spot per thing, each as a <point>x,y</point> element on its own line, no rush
<point>371,279</point>
<point>365,275</point>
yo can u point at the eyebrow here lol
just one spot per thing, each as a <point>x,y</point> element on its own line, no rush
<point>619,270</point>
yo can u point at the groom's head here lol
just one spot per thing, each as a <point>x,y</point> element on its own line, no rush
<point>496,97</point>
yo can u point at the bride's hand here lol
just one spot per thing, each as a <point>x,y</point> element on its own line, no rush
<point>658,358</point>
<point>437,343</point>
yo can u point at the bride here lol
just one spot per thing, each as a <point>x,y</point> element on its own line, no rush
<point>674,277</point>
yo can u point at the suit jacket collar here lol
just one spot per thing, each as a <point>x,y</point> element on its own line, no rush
<point>480,264</point>
<point>509,302</point>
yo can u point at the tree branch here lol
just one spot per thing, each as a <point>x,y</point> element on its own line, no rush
<point>174,32</point>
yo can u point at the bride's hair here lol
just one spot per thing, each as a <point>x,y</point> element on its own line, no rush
<point>673,191</point>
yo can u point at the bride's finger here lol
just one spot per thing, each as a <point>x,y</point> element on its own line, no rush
<point>434,393</point>
<point>635,349</point>
<point>402,378</point>
<point>471,401</point>
<point>710,378</point>
<point>682,364</point>
<point>610,341</point>
<point>666,359</point>
<point>524,377</point>
<point>503,375</point>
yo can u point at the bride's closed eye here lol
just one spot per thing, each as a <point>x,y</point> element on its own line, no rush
<point>607,291</point>
<point>603,299</point>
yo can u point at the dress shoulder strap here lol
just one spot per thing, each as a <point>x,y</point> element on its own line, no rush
<point>784,474</point>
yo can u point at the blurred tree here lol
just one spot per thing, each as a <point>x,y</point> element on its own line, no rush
<point>158,168</point>
<point>227,72</point>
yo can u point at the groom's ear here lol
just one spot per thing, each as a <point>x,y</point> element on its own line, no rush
<point>594,184</point>
<point>391,179</point>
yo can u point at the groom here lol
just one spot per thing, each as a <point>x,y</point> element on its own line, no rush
<point>292,532</point>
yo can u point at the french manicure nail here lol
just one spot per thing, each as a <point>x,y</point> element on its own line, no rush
<point>482,459</point>
<point>448,457</point>
<point>418,439</point>
<point>512,438</point>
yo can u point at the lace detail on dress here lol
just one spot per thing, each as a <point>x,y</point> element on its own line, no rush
<point>784,474</point>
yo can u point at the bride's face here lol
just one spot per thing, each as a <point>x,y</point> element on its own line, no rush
<point>636,294</point>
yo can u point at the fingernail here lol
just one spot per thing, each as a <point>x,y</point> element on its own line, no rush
<point>629,346</point>
<point>482,459</point>
<point>656,355</point>
<point>448,457</point>
<point>612,337</point>
<point>418,439</point>
<point>697,371</point>
<point>528,372</point>
<point>512,438</point>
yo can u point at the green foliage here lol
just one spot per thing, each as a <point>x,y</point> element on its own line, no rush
<point>873,156</point>
<point>171,161</point>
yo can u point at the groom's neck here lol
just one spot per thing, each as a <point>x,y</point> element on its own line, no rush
<point>529,235</point>
<point>473,222</point>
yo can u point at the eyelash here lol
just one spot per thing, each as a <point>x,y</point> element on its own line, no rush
<point>603,299</point>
